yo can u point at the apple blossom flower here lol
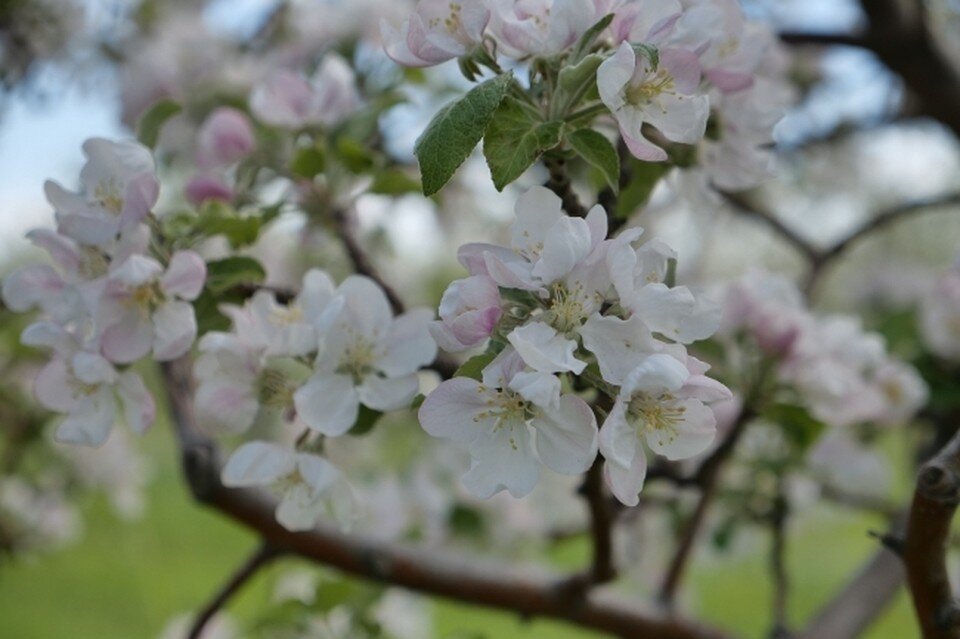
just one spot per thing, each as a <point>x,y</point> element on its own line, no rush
<point>288,100</point>
<point>511,422</point>
<point>643,21</point>
<point>81,383</point>
<point>253,367</point>
<point>225,137</point>
<point>367,357</point>
<point>66,290</point>
<point>469,311</point>
<point>541,27</point>
<point>665,95</point>
<point>662,403</point>
<point>119,187</point>
<point>308,485</point>
<point>436,31</point>
<point>145,308</point>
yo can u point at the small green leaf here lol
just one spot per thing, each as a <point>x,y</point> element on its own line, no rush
<point>586,41</point>
<point>644,177</point>
<point>308,162</point>
<point>473,367</point>
<point>575,81</point>
<point>514,141</point>
<point>597,150</point>
<point>151,122</point>
<point>799,426</point>
<point>225,274</point>
<point>367,418</point>
<point>219,218</point>
<point>354,154</point>
<point>466,520</point>
<point>393,182</point>
<point>456,130</point>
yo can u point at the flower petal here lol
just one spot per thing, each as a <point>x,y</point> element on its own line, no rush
<point>328,403</point>
<point>567,437</point>
<point>258,463</point>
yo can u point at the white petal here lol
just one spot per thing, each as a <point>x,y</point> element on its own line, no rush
<point>452,410</point>
<point>537,210</point>
<point>175,328</point>
<point>656,374</point>
<point>618,344</point>
<point>328,403</point>
<point>388,393</point>
<point>618,438</point>
<point>91,368</point>
<point>626,482</point>
<point>128,338</point>
<point>139,409</point>
<point>54,387</point>
<point>543,389</point>
<point>567,437</point>
<point>409,344</point>
<point>185,275</point>
<point>258,463</point>
<point>90,424</point>
<point>566,244</point>
<point>614,73</point>
<point>503,459</point>
<point>545,350</point>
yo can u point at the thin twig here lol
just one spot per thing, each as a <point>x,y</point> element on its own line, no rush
<point>361,263</point>
<point>263,555</point>
<point>706,477</point>
<point>745,206</point>
<point>602,516</point>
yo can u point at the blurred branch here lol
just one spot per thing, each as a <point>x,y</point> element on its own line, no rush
<point>745,206</point>
<point>706,477</point>
<point>602,516</point>
<point>778,564</point>
<point>927,539</point>
<point>263,555</point>
<point>524,591</point>
<point>358,258</point>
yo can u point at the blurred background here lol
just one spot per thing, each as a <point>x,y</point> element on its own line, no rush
<point>115,548</point>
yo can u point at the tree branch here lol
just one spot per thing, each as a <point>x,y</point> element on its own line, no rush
<point>524,591</point>
<point>263,555</point>
<point>559,183</point>
<point>602,516</point>
<point>706,477</point>
<point>745,206</point>
<point>778,565</point>
<point>926,542</point>
<point>361,264</point>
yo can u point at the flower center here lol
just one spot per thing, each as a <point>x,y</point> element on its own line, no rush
<point>646,92</point>
<point>275,389</point>
<point>93,263</point>
<point>568,307</point>
<point>285,316</point>
<point>147,297</point>
<point>107,195</point>
<point>660,415</point>
<point>358,358</point>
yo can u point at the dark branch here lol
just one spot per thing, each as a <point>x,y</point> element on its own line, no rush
<point>526,592</point>
<point>263,555</point>
<point>361,263</point>
<point>559,183</point>
<point>745,206</point>
<point>602,516</point>
<point>778,565</point>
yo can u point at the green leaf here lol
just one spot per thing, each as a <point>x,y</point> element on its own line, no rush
<point>576,81</point>
<point>393,182</point>
<point>514,141</point>
<point>586,41</point>
<point>225,274</point>
<point>644,177</point>
<point>151,122</point>
<point>799,426</point>
<point>466,520</point>
<point>456,130</point>
<point>353,154</point>
<point>597,150</point>
<point>473,367</point>
<point>308,162</point>
<point>367,418</point>
<point>219,218</point>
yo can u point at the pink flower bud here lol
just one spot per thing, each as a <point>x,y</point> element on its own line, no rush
<point>225,137</point>
<point>201,188</point>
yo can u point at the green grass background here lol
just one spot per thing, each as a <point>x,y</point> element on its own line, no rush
<point>126,580</point>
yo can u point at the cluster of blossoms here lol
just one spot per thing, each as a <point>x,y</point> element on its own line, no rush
<point>842,374</point>
<point>563,305</point>
<point>668,64</point>
<point>107,300</point>
<point>313,361</point>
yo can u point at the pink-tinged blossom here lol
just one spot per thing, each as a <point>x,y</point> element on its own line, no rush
<point>68,289</point>
<point>541,27</point>
<point>308,485</point>
<point>469,311</point>
<point>664,95</point>
<point>252,367</point>
<point>83,385</point>
<point>437,31</point>
<point>641,21</point>
<point>119,187</point>
<point>201,188</point>
<point>367,357</point>
<point>661,406</point>
<point>146,308</point>
<point>511,422</point>
<point>225,137</point>
<point>287,100</point>
<point>678,313</point>
<point>940,316</point>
